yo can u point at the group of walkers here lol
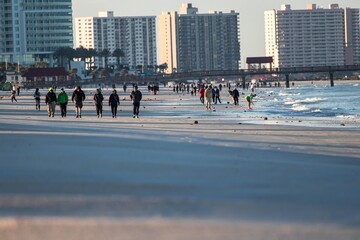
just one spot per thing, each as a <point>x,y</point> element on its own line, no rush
<point>78,98</point>
<point>210,94</point>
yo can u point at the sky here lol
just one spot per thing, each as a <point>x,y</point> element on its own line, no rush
<point>251,13</point>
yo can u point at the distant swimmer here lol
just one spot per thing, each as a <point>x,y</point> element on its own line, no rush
<point>249,99</point>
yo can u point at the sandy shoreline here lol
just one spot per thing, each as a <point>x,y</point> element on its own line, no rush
<point>164,229</point>
<point>164,177</point>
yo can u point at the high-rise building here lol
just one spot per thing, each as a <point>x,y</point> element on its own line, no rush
<point>189,41</point>
<point>135,36</point>
<point>313,36</point>
<point>31,30</point>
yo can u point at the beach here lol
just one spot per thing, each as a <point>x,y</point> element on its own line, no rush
<point>177,172</point>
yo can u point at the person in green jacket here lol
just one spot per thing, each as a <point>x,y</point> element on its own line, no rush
<point>63,101</point>
<point>249,99</point>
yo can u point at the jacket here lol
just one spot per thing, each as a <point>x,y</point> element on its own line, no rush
<point>63,98</point>
<point>50,97</point>
<point>202,92</point>
<point>208,93</point>
<point>136,96</point>
<point>78,96</point>
<point>236,93</point>
<point>98,99</point>
<point>37,95</point>
<point>114,100</point>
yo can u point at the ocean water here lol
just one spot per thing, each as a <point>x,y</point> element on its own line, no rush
<point>322,104</point>
<point>306,104</point>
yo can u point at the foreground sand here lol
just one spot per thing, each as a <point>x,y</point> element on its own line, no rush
<point>164,177</point>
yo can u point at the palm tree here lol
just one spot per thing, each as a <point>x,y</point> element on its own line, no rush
<point>81,53</point>
<point>105,53</point>
<point>63,53</point>
<point>118,54</point>
<point>163,67</point>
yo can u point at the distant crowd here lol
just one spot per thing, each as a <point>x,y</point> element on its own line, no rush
<point>209,94</point>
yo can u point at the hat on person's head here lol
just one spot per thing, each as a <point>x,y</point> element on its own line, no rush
<point>62,89</point>
<point>51,89</point>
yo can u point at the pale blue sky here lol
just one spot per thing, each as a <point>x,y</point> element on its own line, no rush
<point>251,13</point>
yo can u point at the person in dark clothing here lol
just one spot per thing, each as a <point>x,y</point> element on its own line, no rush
<point>217,95</point>
<point>18,91</point>
<point>136,97</point>
<point>12,96</point>
<point>51,100</point>
<point>114,101</point>
<point>213,92</point>
<point>98,100</point>
<point>235,95</point>
<point>78,97</point>
<point>37,99</point>
<point>124,87</point>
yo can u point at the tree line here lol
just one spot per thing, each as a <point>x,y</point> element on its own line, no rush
<point>65,55</point>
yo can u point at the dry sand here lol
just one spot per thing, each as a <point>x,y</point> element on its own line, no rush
<point>164,177</point>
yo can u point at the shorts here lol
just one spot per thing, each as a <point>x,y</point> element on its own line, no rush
<point>78,104</point>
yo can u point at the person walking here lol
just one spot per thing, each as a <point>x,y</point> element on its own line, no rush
<point>37,98</point>
<point>12,96</point>
<point>50,101</point>
<point>217,95</point>
<point>136,97</point>
<point>114,101</point>
<point>63,100</point>
<point>213,92</point>
<point>98,100</point>
<point>235,95</point>
<point>78,97</point>
<point>202,94</point>
<point>124,87</point>
<point>208,97</point>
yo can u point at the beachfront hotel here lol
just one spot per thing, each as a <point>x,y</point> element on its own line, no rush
<point>313,36</point>
<point>31,31</point>
<point>189,41</point>
<point>135,36</point>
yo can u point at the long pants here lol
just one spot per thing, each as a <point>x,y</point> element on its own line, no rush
<point>114,110</point>
<point>202,100</point>
<point>236,101</point>
<point>51,109</point>
<point>213,98</point>
<point>136,109</point>
<point>63,110</point>
<point>217,98</point>
<point>13,98</point>
<point>99,110</point>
